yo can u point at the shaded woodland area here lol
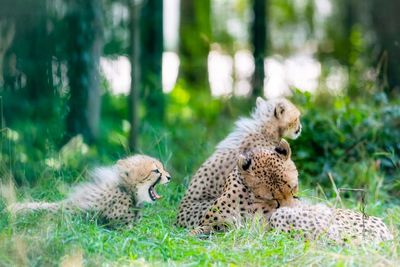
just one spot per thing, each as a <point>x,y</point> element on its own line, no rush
<point>84,83</point>
<point>54,88</point>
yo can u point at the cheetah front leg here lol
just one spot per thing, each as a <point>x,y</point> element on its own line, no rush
<point>121,214</point>
<point>201,230</point>
<point>130,218</point>
<point>209,229</point>
<point>218,218</point>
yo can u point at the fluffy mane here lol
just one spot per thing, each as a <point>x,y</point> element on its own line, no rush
<point>260,117</point>
<point>83,196</point>
<point>102,180</point>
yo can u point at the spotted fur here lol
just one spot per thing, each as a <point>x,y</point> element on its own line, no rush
<point>262,181</point>
<point>270,121</point>
<point>337,225</point>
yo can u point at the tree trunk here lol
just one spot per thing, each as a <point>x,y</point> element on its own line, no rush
<point>38,67</point>
<point>152,46</point>
<point>194,45</point>
<point>386,24</point>
<point>349,21</point>
<point>259,41</point>
<point>133,104</point>
<point>7,31</point>
<point>31,55</point>
<point>84,47</point>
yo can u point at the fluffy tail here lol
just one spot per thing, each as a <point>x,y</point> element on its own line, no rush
<point>34,206</point>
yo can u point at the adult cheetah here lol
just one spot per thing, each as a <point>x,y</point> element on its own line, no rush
<point>263,180</point>
<point>269,122</point>
<point>115,193</point>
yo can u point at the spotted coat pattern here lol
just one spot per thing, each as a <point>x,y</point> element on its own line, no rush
<point>338,225</point>
<point>262,181</point>
<point>271,120</point>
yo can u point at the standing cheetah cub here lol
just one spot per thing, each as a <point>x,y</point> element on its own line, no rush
<point>270,121</point>
<point>115,193</point>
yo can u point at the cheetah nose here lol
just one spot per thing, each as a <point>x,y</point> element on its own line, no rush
<point>298,130</point>
<point>168,177</point>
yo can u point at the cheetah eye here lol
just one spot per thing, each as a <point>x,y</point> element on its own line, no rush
<point>246,164</point>
<point>155,171</point>
<point>281,151</point>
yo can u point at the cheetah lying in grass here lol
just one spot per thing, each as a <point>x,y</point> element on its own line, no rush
<point>265,183</point>
<point>262,181</point>
<point>115,193</point>
<point>270,121</point>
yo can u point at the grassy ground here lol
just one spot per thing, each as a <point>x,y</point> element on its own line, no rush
<point>44,240</point>
<point>43,172</point>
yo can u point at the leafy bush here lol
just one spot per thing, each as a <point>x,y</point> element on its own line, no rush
<point>354,139</point>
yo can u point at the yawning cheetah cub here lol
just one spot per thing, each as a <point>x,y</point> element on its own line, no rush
<point>115,193</point>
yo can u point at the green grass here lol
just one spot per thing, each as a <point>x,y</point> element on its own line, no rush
<point>46,240</point>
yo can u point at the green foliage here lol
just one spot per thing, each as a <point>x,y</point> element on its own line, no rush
<point>351,138</point>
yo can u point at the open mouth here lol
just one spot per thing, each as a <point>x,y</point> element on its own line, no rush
<point>152,192</point>
<point>298,131</point>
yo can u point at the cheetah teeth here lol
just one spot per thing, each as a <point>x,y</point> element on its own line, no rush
<point>152,192</point>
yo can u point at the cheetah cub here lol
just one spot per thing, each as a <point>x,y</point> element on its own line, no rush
<point>115,193</point>
<point>270,121</point>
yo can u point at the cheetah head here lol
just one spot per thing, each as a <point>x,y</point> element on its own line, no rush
<point>283,113</point>
<point>140,174</point>
<point>270,173</point>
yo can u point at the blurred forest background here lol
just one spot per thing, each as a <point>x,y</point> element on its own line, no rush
<point>85,82</point>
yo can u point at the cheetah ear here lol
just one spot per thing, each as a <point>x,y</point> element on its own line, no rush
<point>124,174</point>
<point>259,101</point>
<point>279,110</point>
<point>284,149</point>
<point>244,162</point>
<point>120,162</point>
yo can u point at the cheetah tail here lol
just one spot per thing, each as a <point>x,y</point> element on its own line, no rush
<point>34,206</point>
